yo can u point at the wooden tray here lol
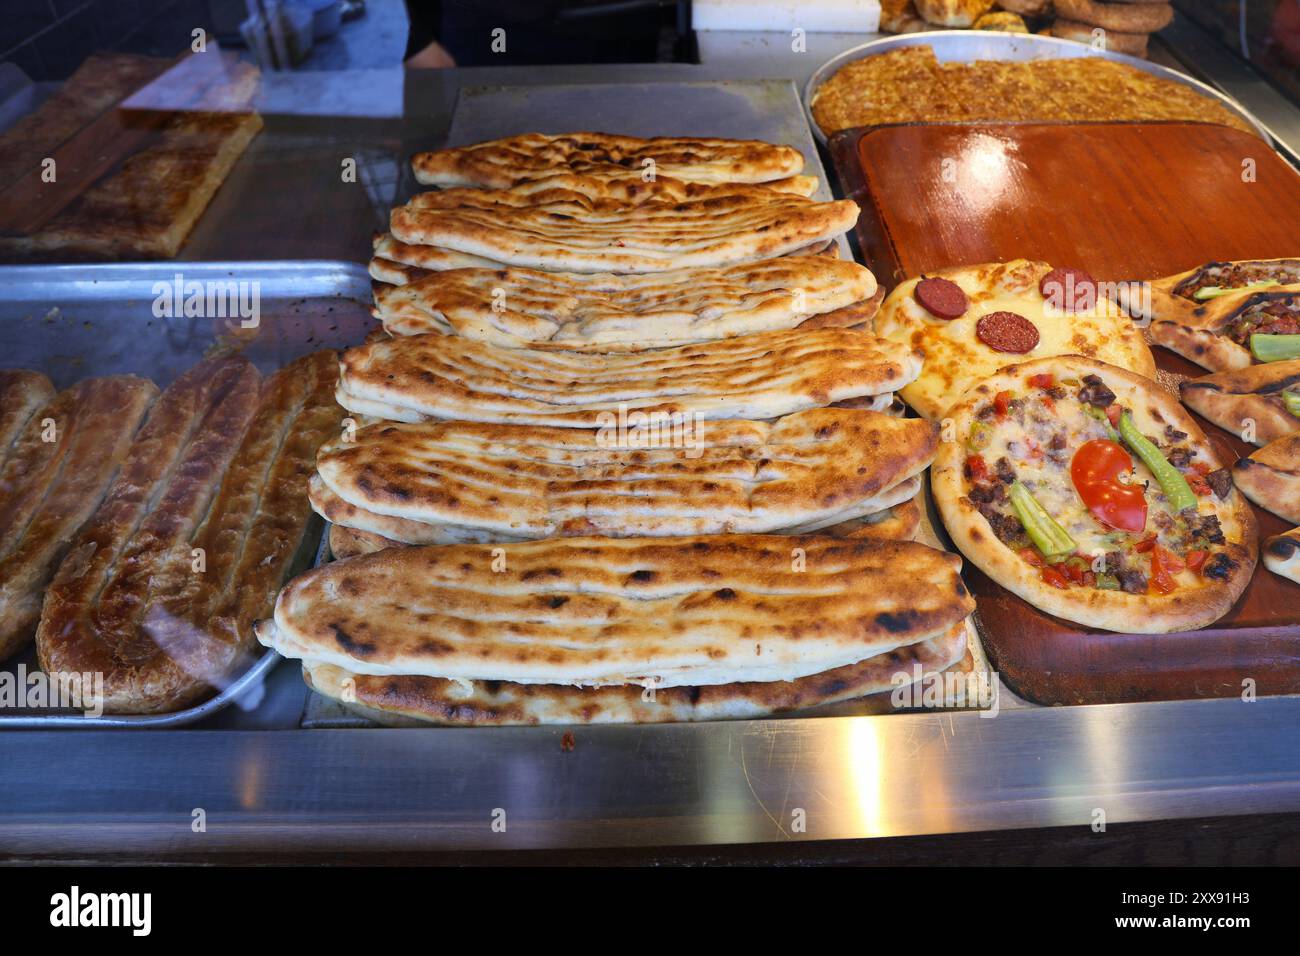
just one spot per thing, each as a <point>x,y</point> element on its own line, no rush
<point>1123,201</point>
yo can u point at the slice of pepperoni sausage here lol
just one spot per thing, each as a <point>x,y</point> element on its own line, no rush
<point>942,298</point>
<point>1007,332</point>
<point>1071,290</point>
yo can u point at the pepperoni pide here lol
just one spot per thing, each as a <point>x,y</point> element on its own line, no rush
<point>1084,500</point>
<point>1007,332</point>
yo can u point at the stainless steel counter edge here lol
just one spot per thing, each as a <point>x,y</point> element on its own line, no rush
<point>755,781</point>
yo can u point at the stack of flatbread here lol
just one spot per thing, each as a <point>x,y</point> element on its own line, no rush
<point>620,452</point>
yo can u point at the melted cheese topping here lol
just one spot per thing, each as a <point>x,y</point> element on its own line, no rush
<point>955,358</point>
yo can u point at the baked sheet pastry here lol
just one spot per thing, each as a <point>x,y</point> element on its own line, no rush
<point>54,476</point>
<point>660,612</point>
<point>501,163</point>
<point>402,699</point>
<point>821,466</point>
<point>970,321</point>
<point>1212,314</point>
<point>1271,477</point>
<point>1261,402</point>
<point>160,588</point>
<point>525,307</point>
<point>573,223</point>
<point>909,84</point>
<point>1092,494</point>
<point>766,375</point>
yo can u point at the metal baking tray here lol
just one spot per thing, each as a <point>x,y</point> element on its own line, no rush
<point>967,45</point>
<point>76,321</point>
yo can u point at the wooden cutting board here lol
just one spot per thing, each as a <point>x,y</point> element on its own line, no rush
<point>1123,201</point>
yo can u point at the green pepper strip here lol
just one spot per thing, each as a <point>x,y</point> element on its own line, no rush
<point>1292,402</point>
<point>1172,482</point>
<point>1274,348</point>
<point>1214,291</point>
<point>1048,536</point>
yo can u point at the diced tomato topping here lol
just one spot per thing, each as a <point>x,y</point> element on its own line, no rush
<point>1089,579</point>
<point>1113,414</point>
<point>1002,403</point>
<point>1042,380</point>
<point>977,468</point>
<point>1055,578</point>
<point>1146,544</point>
<point>1048,403</point>
<point>1199,487</point>
<point>1071,570</point>
<point>1201,467</point>
<point>1195,559</point>
<point>1163,567</point>
<point>1031,557</point>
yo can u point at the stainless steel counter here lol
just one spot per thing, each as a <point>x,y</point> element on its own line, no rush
<point>280,788</point>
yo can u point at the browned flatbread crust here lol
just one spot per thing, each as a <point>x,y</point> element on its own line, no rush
<point>1251,395</point>
<point>574,223</point>
<point>898,523</point>
<point>517,307</point>
<point>1282,554</point>
<point>226,457</point>
<point>501,163</point>
<point>657,612</point>
<point>350,542</point>
<point>1134,44</point>
<point>1271,477</point>
<point>732,476</point>
<point>49,488</point>
<point>503,704</point>
<point>765,375</point>
<point>1187,607</point>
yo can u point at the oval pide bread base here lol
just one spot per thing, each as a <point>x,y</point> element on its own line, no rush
<point>1181,610</point>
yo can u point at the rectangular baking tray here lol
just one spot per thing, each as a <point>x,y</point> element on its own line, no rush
<point>76,321</point>
<point>963,46</point>
<point>766,110</point>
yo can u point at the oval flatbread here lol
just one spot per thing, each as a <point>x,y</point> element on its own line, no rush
<point>1271,477</point>
<point>956,357</point>
<point>1027,423</point>
<point>1247,401</point>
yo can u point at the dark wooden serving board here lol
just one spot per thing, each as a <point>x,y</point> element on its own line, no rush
<point>1123,201</point>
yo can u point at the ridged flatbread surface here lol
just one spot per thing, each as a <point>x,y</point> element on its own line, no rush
<point>55,474</point>
<point>537,482</point>
<point>520,307</point>
<point>765,375</point>
<point>1245,397</point>
<point>502,703</point>
<point>576,224</point>
<point>1271,477</point>
<point>503,162</point>
<point>596,611</point>
<point>956,358</point>
<point>221,465</point>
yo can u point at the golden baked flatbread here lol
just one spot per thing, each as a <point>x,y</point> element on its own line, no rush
<point>660,612</point>
<point>1119,548</point>
<point>501,163</point>
<point>502,704</point>
<point>517,307</point>
<point>957,350</point>
<point>1282,554</point>
<point>766,375</point>
<point>1271,477</point>
<point>1250,402</point>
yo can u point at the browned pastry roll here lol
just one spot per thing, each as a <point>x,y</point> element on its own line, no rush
<point>1133,44</point>
<point>1120,17</point>
<point>22,392</point>
<point>48,488</point>
<point>161,599</point>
